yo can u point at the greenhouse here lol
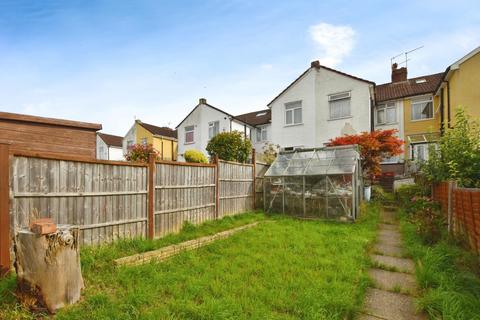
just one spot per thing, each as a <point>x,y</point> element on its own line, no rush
<point>315,183</point>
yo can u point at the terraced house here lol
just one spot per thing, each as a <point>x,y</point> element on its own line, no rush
<point>459,87</point>
<point>411,107</point>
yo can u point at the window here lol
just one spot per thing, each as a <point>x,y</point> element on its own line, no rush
<point>144,141</point>
<point>386,113</point>
<point>129,144</point>
<point>261,134</point>
<point>422,109</point>
<point>189,134</point>
<point>339,105</point>
<point>419,152</point>
<point>213,129</point>
<point>293,113</point>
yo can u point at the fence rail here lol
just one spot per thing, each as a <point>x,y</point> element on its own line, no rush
<point>109,200</point>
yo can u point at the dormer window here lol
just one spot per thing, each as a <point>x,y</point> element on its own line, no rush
<point>260,114</point>
<point>420,80</point>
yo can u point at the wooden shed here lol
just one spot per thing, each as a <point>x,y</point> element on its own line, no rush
<point>48,135</point>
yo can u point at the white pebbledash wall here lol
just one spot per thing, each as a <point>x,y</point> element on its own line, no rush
<point>313,89</point>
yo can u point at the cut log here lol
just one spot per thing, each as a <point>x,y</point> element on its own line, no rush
<point>48,268</point>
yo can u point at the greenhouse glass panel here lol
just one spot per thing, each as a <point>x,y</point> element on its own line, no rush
<point>315,183</point>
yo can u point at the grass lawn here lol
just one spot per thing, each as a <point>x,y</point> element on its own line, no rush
<point>282,269</point>
<point>448,275</point>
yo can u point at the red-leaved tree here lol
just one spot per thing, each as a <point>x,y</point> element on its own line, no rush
<point>374,146</point>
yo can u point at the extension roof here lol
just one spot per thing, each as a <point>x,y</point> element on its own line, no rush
<point>256,118</point>
<point>409,88</point>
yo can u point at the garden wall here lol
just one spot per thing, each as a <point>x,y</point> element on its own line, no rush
<point>461,207</point>
<point>109,200</point>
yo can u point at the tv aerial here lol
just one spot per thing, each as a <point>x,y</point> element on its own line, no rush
<point>405,54</point>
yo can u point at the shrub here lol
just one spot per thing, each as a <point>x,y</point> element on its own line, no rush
<point>458,154</point>
<point>405,193</point>
<point>139,152</point>
<point>195,156</point>
<point>269,153</point>
<point>230,146</point>
<point>381,196</point>
<point>426,216</point>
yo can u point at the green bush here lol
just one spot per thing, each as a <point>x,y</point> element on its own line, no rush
<point>230,146</point>
<point>195,156</point>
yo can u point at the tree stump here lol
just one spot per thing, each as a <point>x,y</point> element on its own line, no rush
<point>48,268</point>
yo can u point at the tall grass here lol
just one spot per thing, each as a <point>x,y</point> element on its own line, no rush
<point>282,269</point>
<point>448,276</point>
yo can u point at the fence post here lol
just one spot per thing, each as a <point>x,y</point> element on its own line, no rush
<point>451,186</point>
<point>151,195</point>
<point>217,185</point>
<point>254,162</point>
<point>4,209</point>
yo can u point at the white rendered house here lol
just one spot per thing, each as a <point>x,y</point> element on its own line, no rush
<point>321,104</point>
<point>202,124</point>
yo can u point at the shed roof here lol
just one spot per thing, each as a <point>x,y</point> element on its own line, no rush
<point>50,121</point>
<point>318,161</point>
<point>111,140</point>
<point>409,88</point>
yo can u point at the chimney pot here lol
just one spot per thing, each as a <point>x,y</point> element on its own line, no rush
<point>202,101</point>
<point>315,64</point>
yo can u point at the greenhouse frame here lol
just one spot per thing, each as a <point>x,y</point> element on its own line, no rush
<point>315,183</point>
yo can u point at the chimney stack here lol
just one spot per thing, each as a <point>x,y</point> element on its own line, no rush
<point>398,75</point>
<point>315,64</point>
<point>202,101</point>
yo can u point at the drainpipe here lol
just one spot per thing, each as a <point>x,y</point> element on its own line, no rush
<point>442,110</point>
<point>448,104</point>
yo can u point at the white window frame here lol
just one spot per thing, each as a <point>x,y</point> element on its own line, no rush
<point>346,95</point>
<point>144,141</point>
<point>211,129</point>
<point>414,150</point>
<point>421,101</point>
<point>291,107</point>
<point>130,143</point>
<point>261,134</point>
<point>385,107</point>
<point>188,130</point>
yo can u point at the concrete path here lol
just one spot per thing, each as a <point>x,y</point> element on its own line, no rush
<point>392,276</point>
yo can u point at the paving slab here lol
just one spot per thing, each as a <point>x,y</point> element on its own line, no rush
<point>389,280</point>
<point>392,306</point>
<point>400,264</point>
<point>388,240</point>
<point>390,233</point>
<point>388,250</point>
<point>385,226</point>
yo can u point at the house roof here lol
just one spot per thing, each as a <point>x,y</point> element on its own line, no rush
<point>210,106</point>
<point>159,131</point>
<point>454,66</point>
<point>111,140</point>
<point>411,87</point>
<point>256,118</point>
<point>50,121</point>
<point>316,65</point>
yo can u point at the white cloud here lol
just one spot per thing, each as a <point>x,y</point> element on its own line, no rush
<point>335,42</point>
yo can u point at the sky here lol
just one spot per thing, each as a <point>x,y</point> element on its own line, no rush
<point>111,62</point>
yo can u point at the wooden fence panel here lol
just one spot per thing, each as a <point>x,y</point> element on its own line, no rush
<point>106,201</point>
<point>235,188</point>
<point>183,193</point>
